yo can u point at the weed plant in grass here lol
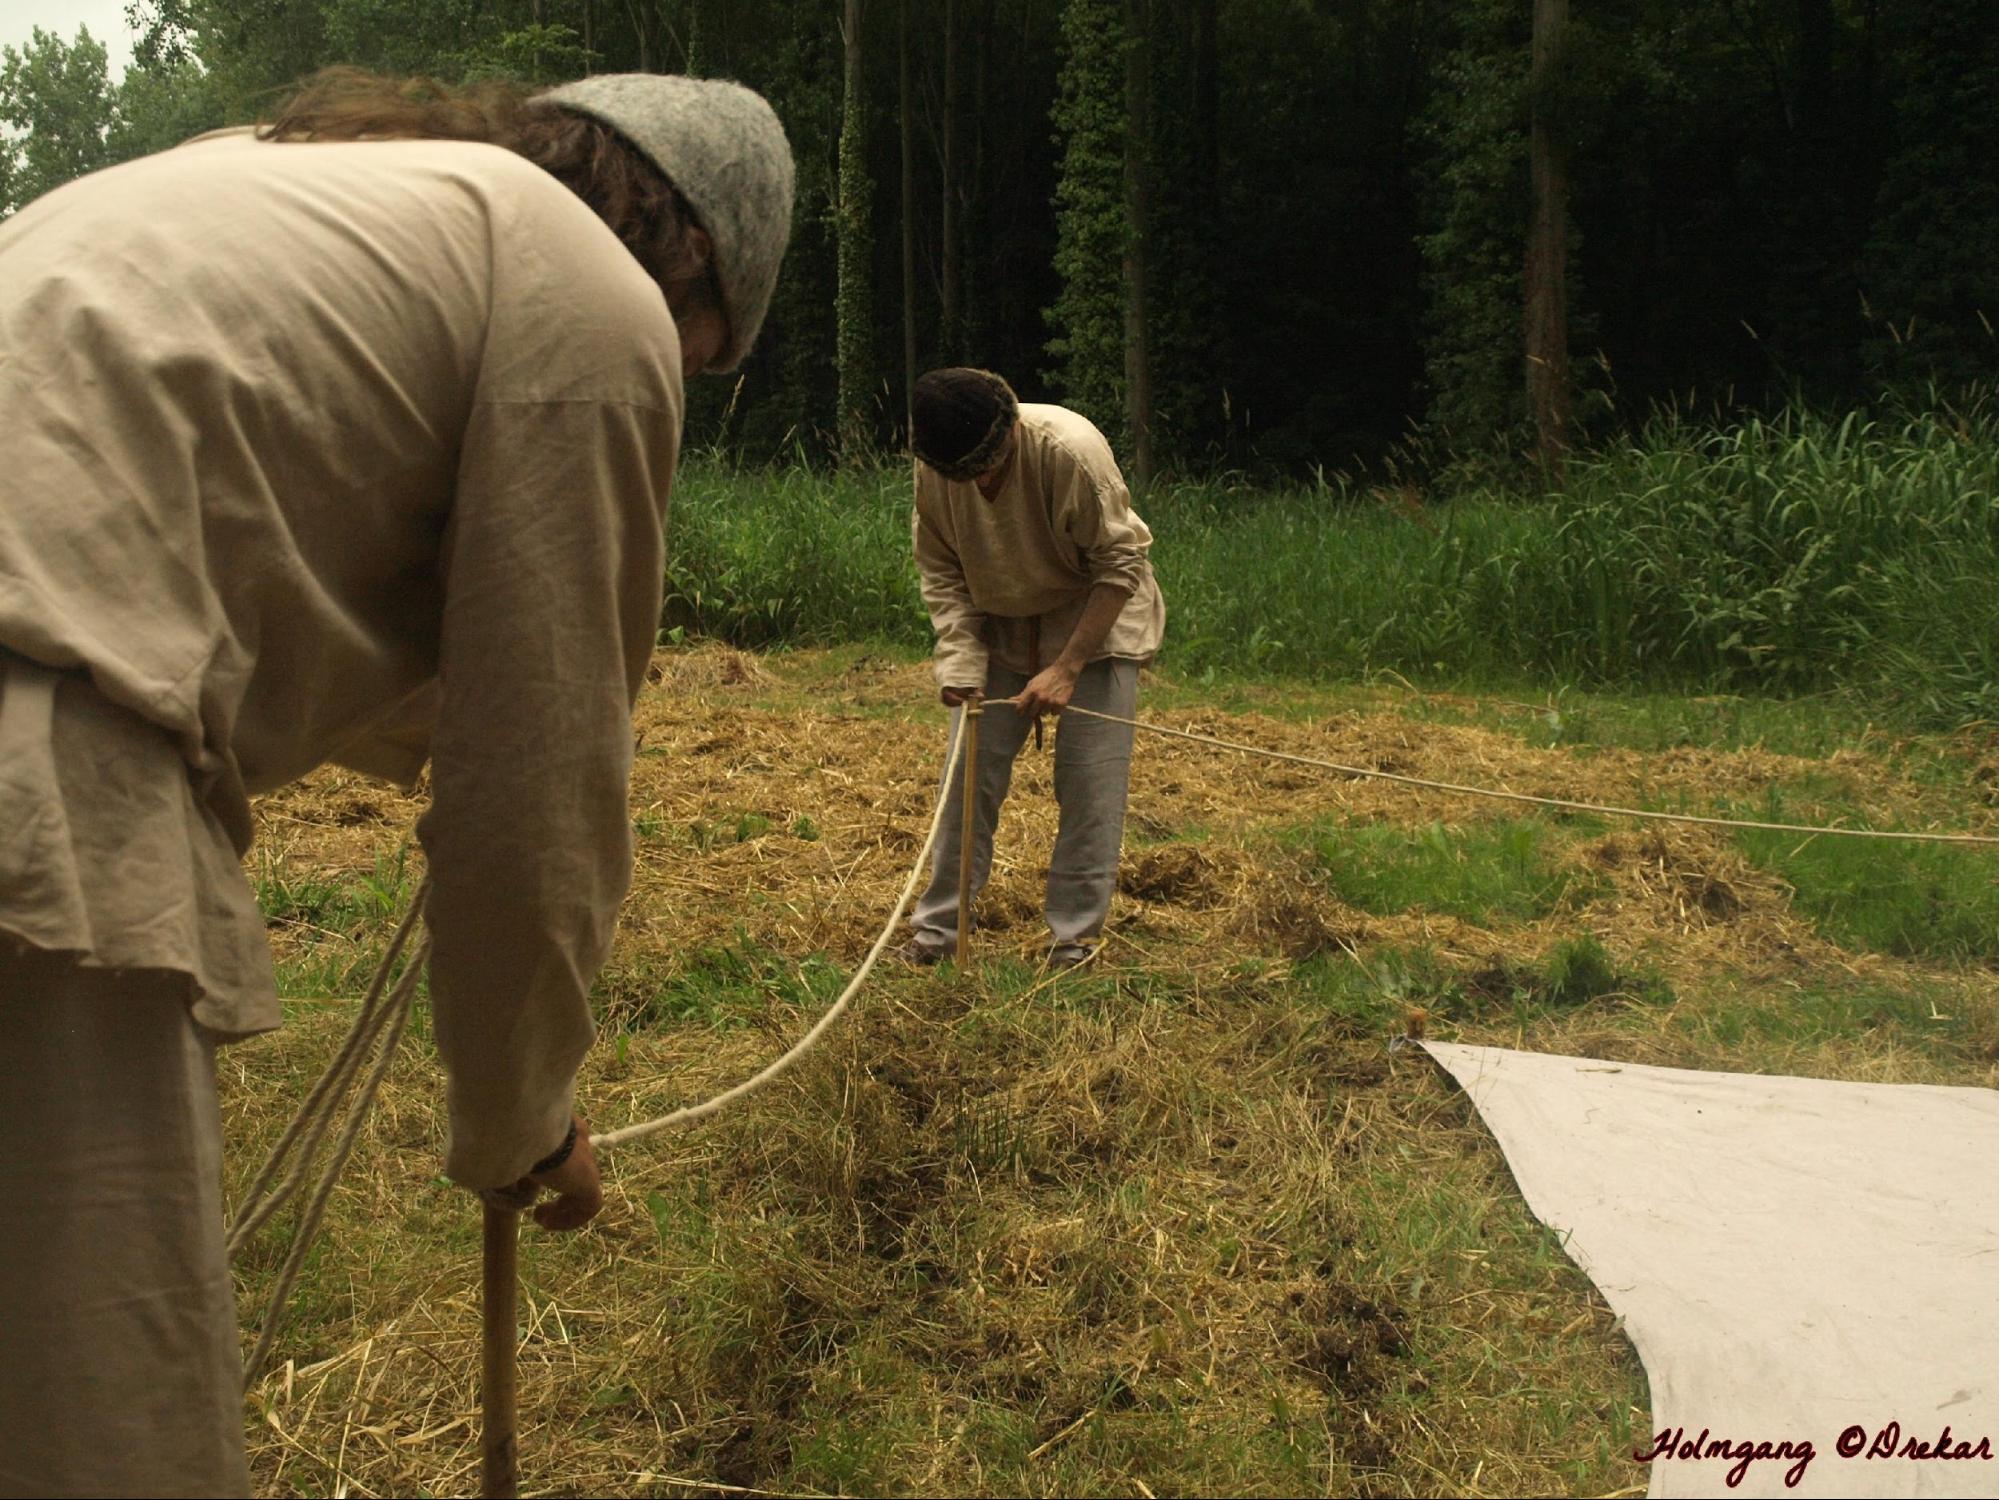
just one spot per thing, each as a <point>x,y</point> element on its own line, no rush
<point>1785,555</point>
<point>1376,993</point>
<point>336,907</point>
<point>1911,900</point>
<point>725,986</point>
<point>1488,872</point>
<point>329,933</point>
<point>1824,1013</point>
<point>772,557</point>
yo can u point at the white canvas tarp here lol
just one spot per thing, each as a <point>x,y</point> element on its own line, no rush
<point>1797,1261</point>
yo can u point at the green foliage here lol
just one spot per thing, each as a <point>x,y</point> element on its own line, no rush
<point>1334,255</point>
<point>1577,971</point>
<point>1912,900</point>
<point>799,368</point>
<point>534,54</point>
<point>1834,1011</point>
<point>1929,279</point>
<point>256,49</point>
<point>160,104</point>
<point>57,96</point>
<point>1484,873</point>
<point>334,928</point>
<point>337,908</point>
<point>1090,119</point>
<point>1377,991</point>
<point>1477,201</point>
<point>766,558</point>
<point>1790,555</point>
<point>725,986</point>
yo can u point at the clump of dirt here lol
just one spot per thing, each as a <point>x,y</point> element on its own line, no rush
<point>1178,874</point>
<point>1986,774</point>
<point>1347,1343</point>
<point>1009,903</point>
<point>358,811</point>
<point>1684,877</point>
<point>1494,982</point>
<point>1346,1338</point>
<point>1301,924</point>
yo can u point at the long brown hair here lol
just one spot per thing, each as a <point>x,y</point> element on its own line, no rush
<point>593,161</point>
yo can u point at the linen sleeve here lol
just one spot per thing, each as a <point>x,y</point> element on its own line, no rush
<point>1093,509</point>
<point>553,563</point>
<point>960,659</point>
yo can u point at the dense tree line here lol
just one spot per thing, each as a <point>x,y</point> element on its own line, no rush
<point>1260,232</point>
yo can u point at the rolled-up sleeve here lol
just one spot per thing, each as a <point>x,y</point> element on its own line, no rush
<point>960,660</point>
<point>553,574</point>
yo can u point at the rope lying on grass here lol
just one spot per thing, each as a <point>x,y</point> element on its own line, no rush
<point>805,1043</point>
<point>1561,802</point>
<point>378,1028</point>
<point>385,1011</point>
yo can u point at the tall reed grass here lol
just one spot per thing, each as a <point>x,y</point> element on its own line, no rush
<point>1797,553</point>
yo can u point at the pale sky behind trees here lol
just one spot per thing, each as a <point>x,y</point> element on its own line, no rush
<point>105,18</point>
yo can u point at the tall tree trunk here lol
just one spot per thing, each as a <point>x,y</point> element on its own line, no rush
<point>908,225</point>
<point>1137,247</point>
<point>855,357</point>
<point>1549,395</point>
<point>950,277</point>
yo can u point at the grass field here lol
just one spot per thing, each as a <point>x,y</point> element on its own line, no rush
<point>1856,557</point>
<point>1179,1222</point>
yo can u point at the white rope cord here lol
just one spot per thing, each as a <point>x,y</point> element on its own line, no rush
<point>1562,802</point>
<point>811,1038</point>
<point>384,1013</point>
<point>316,1115</point>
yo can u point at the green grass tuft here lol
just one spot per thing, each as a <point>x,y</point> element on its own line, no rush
<point>1484,873</point>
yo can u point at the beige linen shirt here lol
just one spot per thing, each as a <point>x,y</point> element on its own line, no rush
<point>351,452</point>
<point>1007,579</point>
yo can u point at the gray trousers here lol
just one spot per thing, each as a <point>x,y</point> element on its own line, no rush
<point>119,1368</point>
<point>1092,777</point>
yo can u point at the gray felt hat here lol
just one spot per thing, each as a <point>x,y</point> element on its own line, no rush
<point>721,145</point>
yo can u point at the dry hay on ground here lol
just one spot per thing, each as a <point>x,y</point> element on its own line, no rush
<point>1164,1224</point>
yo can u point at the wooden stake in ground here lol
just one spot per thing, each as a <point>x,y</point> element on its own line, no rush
<point>499,1475</point>
<point>971,711</point>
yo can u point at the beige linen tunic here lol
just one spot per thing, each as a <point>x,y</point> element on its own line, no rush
<point>1007,579</point>
<point>349,452</point>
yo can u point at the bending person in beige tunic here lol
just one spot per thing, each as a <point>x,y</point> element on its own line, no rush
<point>1035,573</point>
<point>348,440</point>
